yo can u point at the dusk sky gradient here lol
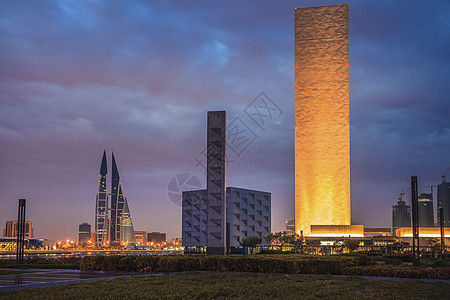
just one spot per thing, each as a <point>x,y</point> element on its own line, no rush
<point>138,77</point>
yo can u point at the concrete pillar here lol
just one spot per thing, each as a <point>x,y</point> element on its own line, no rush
<point>216,183</point>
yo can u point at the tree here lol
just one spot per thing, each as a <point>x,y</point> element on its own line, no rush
<point>298,241</point>
<point>283,238</point>
<point>273,238</point>
<point>251,242</point>
<point>352,245</point>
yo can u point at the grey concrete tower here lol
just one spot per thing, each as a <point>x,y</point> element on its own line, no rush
<point>216,183</point>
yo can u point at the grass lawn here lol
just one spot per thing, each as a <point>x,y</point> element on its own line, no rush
<point>237,286</point>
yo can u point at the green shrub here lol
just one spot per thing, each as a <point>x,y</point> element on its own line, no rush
<point>402,257</point>
<point>393,261</point>
<point>293,264</point>
<point>290,264</point>
<point>435,262</point>
<point>91,262</point>
<point>364,260</point>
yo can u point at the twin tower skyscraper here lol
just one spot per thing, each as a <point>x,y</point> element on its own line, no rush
<point>117,227</point>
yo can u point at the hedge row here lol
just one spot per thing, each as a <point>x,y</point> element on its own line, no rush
<point>293,264</point>
<point>241,263</point>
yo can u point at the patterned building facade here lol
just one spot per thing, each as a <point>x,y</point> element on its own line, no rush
<point>322,136</point>
<point>248,214</point>
<point>216,182</point>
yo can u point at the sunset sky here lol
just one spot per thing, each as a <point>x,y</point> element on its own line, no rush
<point>138,77</point>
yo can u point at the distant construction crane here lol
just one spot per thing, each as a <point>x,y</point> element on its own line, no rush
<point>400,195</point>
<point>431,187</point>
<point>444,174</point>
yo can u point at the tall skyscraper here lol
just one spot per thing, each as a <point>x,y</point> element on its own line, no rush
<point>322,142</point>
<point>426,214</point>
<point>216,182</point>
<point>444,201</point>
<point>121,229</point>
<point>127,231</point>
<point>401,215</point>
<point>101,205</point>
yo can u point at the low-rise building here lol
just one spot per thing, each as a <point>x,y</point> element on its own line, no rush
<point>11,229</point>
<point>141,237</point>
<point>156,237</point>
<point>248,213</point>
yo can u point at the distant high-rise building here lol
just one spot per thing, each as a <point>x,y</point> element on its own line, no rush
<point>444,201</point>
<point>121,227</point>
<point>377,231</point>
<point>401,216</point>
<point>156,237</point>
<point>248,215</point>
<point>101,206</point>
<point>11,229</point>
<point>141,237</point>
<point>127,231</point>
<point>426,213</point>
<point>322,135</point>
<point>290,227</point>
<point>84,233</point>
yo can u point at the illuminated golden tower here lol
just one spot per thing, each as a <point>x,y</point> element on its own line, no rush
<point>322,142</point>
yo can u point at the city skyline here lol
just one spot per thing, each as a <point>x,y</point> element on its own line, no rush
<point>74,83</point>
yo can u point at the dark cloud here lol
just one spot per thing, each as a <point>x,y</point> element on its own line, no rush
<point>137,78</point>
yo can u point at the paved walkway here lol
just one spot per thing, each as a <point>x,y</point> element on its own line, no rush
<point>39,278</point>
<point>46,278</point>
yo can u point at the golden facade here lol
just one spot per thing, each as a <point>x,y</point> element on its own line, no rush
<point>322,133</point>
<point>337,231</point>
<point>426,232</point>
